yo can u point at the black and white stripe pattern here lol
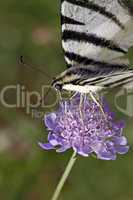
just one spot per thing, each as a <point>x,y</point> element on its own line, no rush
<point>91,39</point>
<point>89,28</point>
<point>96,8</point>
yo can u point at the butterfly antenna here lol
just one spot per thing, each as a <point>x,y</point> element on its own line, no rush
<point>45,95</point>
<point>22,61</point>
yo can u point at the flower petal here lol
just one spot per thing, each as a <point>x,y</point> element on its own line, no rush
<point>82,153</point>
<point>46,146</point>
<point>106,155</point>
<point>122,149</point>
<point>120,124</point>
<point>50,121</point>
<point>120,140</point>
<point>53,140</point>
<point>63,148</point>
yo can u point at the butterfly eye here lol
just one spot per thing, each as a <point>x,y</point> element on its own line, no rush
<point>58,86</point>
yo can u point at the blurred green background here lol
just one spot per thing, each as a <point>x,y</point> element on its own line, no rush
<point>32,28</point>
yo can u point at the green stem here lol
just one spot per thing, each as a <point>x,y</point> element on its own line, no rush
<point>64,176</point>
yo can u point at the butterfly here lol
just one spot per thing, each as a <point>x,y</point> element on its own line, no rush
<point>96,35</point>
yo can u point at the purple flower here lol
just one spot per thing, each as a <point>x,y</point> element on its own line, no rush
<point>85,129</point>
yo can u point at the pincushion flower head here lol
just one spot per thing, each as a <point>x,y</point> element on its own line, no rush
<point>85,129</point>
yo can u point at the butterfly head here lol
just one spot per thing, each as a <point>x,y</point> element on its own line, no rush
<point>57,84</point>
<point>64,78</point>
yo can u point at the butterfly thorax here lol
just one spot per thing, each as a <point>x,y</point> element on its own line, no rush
<point>79,75</point>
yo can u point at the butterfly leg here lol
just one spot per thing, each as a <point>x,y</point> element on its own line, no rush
<point>81,105</point>
<point>65,103</point>
<point>73,95</point>
<point>98,103</point>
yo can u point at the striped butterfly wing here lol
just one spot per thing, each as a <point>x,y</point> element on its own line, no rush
<point>95,31</point>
